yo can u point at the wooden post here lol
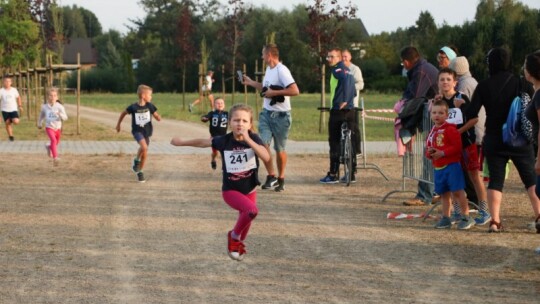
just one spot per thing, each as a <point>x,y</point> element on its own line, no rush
<point>50,75</point>
<point>28,90</point>
<point>36,86</point>
<point>257,80</point>
<point>78,93</point>
<point>201,75</point>
<point>223,81</point>
<point>245,86</point>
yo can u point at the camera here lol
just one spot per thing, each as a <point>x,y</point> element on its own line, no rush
<point>274,99</point>
<point>240,76</point>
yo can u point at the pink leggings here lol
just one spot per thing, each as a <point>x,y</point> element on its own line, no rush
<point>54,136</point>
<point>246,204</point>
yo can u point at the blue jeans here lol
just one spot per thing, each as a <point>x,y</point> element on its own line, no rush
<point>425,192</point>
<point>275,125</point>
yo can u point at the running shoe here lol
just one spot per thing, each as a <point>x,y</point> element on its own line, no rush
<point>444,223</point>
<point>281,185</point>
<point>140,177</point>
<point>329,179</point>
<point>482,218</point>
<point>213,165</point>
<point>271,181</point>
<point>466,222</point>
<point>235,249</point>
<point>455,217</point>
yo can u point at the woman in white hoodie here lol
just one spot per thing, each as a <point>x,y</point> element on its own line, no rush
<point>53,113</point>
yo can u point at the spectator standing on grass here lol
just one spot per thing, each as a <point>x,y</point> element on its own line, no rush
<point>240,151</point>
<point>141,126</point>
<point>531,69</point>
<point>53,113</point>
<point>359,85</point>
<point>457,103</point>
<point>443,147</point>
<point>275,119</point>
<point>206,90</point>
<point>496,94</point>
<point>10,102</point>
<point>422,82</point>
<point>342,92</point>
<point>218,120</point>
<point>445,56</point>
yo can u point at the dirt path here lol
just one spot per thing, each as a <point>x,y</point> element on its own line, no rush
<point>86,232</point>
<point>164,130</point>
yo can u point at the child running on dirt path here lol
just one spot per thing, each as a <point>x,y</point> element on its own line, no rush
<point>218,119</point>
<point>240,151</point>
<point>10,101</point>
<point>53,113</point>
<point>443,147</point>
<point>141,126</point>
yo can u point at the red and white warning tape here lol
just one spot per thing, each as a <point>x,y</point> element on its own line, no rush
<point>379,110</point>
<point>379,118</point>
<point>406,216</point>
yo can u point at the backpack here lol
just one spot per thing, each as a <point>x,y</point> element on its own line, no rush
<point>516,125</point>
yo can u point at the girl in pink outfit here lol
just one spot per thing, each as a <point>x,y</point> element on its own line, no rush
<point>240,151</point>
<point>53,113</point>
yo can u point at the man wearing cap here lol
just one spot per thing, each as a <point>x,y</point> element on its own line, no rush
<point>445,56</point>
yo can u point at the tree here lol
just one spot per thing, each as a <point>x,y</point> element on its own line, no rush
<point>231,33</point>
<point>325,23</point>
<point>20,34</point>
<point>74,26</point>
<point>184,40</point>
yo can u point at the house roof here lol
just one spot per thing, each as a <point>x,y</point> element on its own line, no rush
<point>82,46</point>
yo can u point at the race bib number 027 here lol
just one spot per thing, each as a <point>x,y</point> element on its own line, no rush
<point>239,161</point>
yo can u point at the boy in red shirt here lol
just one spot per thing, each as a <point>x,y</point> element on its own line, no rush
<point>443,147</point>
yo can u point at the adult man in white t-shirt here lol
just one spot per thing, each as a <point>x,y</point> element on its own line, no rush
<point>10,102</point>
<point>275,119</point>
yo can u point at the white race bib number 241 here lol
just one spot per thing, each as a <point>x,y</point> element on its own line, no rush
<point>240,160</point>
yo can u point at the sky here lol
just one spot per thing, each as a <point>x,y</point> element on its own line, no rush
<point>377,15</point>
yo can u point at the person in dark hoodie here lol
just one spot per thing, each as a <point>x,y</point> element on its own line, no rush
<point>496,94</point>
<point>422,77</point>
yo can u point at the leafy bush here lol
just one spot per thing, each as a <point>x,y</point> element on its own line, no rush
<point>389,84</point>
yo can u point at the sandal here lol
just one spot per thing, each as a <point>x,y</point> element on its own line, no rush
<point>537,224</point>
<point>495,226</point>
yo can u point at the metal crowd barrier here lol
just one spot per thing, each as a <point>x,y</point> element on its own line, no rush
<point>363,164</point>
<point>415,165</point>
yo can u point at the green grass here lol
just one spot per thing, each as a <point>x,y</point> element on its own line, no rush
<point>305,115</point>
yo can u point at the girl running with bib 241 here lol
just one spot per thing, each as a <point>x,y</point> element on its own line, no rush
<point>240,151</point>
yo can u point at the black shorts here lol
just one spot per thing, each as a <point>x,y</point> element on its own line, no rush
<point>10,115</point>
